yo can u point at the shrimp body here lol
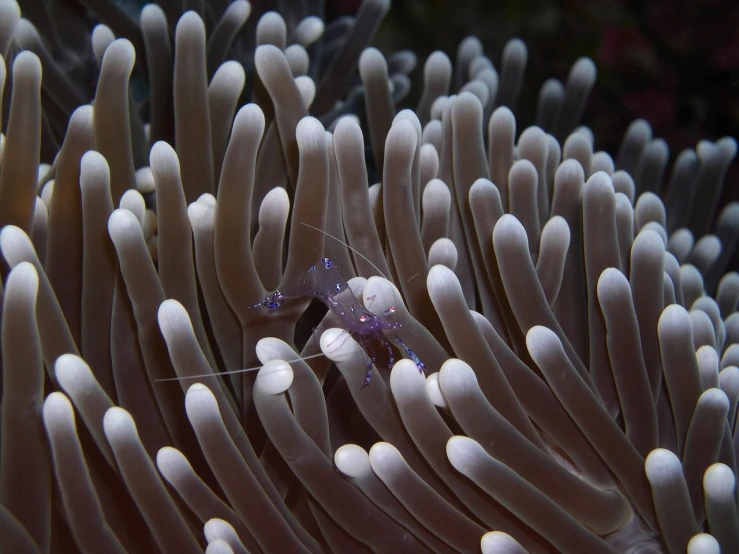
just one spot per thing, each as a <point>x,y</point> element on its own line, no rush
<point>325,282</point>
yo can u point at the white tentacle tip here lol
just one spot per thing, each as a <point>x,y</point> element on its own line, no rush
<point>442,278</point>
<point>15,244</point>
<point>122,223</point>
<point>94,164</point>
<point>662,467</point>
<point>402,137</point>
<point>121,55</point>
<point>215,529</point>
<point>498,542</point>
<point>57,407</point>
<point>540,341</point>
<point>338,345</point>
<point>201,216</point>
<point>27,66</point>
<point>674,317</point>
<point>703,543</point>
<point>189,22</point>
<point>457,377</point>
<point>172,316</point>
<point>118,423</point>
<point>406,382</point>
<point>719,481</point>
<point>172,464</point>
<point>24,277</point>
<point>275,377</point>
<point>163,156</point>
<point>310,135</point>
<point>434,391</point>
<point>250,116</point>
<point>461,452</point>
<point>72,372</point>
<point>384,459</point>
<point>353,461</point>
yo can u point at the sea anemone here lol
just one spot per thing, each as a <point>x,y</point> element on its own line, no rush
<point>576,324</point>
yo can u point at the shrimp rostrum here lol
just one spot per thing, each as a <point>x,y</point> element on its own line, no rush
<point>325,282</point>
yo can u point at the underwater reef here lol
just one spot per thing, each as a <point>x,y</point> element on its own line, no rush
<point>253,302</point>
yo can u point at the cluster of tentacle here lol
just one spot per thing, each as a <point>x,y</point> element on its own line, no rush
<point>572,312</point>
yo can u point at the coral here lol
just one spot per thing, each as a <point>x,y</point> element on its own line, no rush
<point>574,316</point>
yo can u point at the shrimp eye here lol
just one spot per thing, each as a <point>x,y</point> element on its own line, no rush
<point>390,310</point>
<point>362,318</point>
<point>327,263</point>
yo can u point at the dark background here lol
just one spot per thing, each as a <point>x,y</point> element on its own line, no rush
<point>673,63</point>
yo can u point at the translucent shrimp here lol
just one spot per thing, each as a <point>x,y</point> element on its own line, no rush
<point>325,282</point>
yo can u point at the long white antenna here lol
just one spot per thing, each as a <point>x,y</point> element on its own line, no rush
<point>232,372</point>
<point>357,252</point>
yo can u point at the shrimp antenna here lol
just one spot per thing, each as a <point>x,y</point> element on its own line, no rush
<point>232,372</point>
<point>357,252</point>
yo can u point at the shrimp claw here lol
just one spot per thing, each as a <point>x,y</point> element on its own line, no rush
<point>272,301</point>
<point>412,355</point>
